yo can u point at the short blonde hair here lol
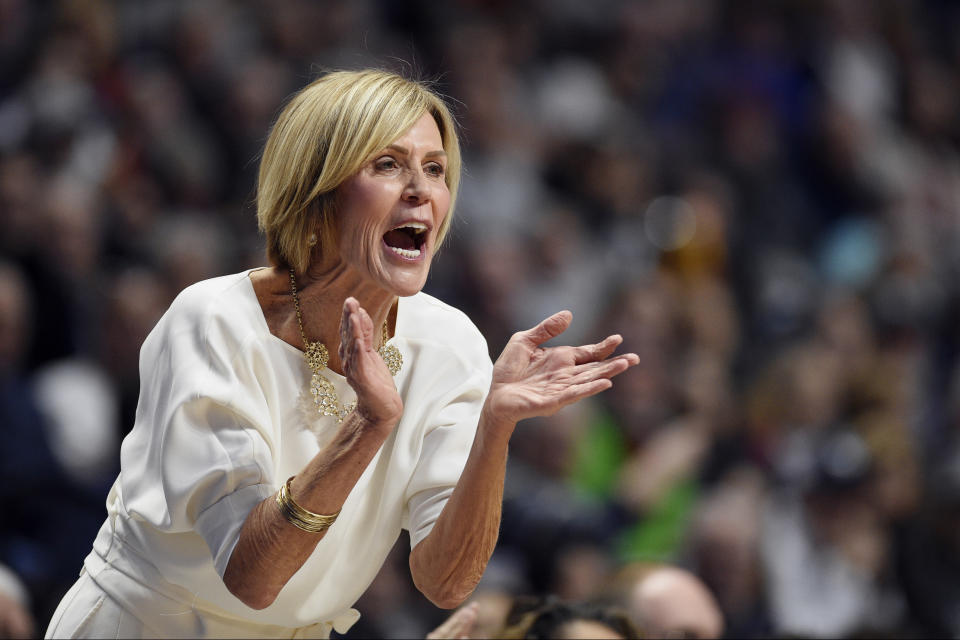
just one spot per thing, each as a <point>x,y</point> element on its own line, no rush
<point>322,137</point>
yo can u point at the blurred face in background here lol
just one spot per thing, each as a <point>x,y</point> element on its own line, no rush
<point>14,309</point>
<point>587,629</point>
<point>73,218</point>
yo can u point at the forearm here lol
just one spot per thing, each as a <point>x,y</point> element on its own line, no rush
<point>528,380</point>
<point>447,565</point>
<point>270,549</point>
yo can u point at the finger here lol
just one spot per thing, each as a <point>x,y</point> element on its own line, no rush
<point>577,392</point>
<point>363,330</point>
<point>448,628</point>
<point>467,620</point>
<point>458,625</point>
<point>549,328</point>
<point>605,369</point>
<point>356,329</point>
<point>598,351</point>
<point>346,332</point>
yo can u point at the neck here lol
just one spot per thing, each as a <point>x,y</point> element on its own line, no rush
<point>322,294</point>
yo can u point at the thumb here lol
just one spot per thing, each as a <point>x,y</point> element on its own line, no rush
<point>549,328</point>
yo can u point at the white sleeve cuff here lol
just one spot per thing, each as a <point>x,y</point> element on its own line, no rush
<point>424,508</point>
<point>220,523</point>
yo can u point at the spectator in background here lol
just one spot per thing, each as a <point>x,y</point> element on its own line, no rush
<point>15,618</point>
<point>723,549</point>
<point>808,155</point>
<point>826,552</point>
<point>536,619</point>
<point>532,619</point>
<point>666,602</point>
<point>34,543</point>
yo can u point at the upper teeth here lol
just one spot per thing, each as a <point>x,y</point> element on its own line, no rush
<point>416,226</point>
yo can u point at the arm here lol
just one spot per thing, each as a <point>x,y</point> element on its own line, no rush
<point>270,549</point>
<point>528,381</point>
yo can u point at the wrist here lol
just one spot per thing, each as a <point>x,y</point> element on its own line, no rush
<point>494,423</point>
<point>380,419</point>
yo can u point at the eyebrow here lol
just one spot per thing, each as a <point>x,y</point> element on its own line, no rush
<point>429,154</point>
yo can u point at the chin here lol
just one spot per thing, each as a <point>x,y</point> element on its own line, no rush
<point>406,285</point>
<point>405,291</point>
<point>401,275</point>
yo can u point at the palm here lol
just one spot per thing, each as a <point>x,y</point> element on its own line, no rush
<point>530,380</point>
<point>364,369</point>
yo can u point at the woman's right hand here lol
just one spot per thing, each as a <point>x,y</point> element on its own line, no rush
<point>378,400</point>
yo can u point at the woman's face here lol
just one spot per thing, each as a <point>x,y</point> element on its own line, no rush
<point>390,211</point>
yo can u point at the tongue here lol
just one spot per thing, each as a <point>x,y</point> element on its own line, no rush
<point>399,239</point>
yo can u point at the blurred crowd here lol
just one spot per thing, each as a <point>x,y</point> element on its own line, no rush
<point>762,197</point>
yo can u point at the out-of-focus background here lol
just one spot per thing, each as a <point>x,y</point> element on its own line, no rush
<point>762,197</point>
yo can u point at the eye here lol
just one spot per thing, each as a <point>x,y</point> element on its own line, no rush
<point>434,169</point>
<point>386,163</point>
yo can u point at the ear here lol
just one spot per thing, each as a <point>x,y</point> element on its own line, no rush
<point>314,227</point>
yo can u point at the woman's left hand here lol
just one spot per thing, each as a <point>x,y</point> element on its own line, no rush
<point>530,380</point>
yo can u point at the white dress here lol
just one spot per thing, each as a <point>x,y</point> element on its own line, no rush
<point>224,418</point>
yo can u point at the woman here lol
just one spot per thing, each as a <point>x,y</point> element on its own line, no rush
<point>268,475</point>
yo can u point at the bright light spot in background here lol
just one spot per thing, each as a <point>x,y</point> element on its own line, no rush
<point>669,223</point>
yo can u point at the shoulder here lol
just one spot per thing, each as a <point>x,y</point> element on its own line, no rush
<point>430,321</point>
<point>216,311</point>
<point>208,297</point>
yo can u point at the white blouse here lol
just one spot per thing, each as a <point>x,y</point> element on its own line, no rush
<point>225,417</point>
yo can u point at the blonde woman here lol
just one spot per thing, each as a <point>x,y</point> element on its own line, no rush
<point>293,419</point>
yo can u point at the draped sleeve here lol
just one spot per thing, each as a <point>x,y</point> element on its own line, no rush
<point>455,367</point>
<point>199,457</point>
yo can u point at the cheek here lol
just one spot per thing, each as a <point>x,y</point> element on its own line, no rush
<point>441,205</point>
<point>366,209</point>
<point>357,241</point>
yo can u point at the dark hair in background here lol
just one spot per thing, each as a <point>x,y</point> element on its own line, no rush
<point>533,618</point>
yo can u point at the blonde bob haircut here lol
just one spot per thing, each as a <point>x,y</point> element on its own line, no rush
<point>322,137</point>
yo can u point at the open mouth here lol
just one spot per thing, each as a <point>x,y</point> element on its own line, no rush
<point>407,239</point>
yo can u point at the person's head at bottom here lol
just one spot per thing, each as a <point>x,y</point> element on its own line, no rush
<point>568,621</point>
<point>671,602</point>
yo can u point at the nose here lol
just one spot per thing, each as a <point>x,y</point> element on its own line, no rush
<point>416,191</point>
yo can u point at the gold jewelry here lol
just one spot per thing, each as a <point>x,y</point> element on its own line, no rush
<point>298,516</point>
<point>316,355</point>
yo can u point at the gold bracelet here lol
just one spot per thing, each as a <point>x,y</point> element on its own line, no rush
<point>298,516</point>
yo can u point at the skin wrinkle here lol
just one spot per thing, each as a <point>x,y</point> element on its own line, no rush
<point>448,573</point>
<point>447,564</point>
<point>364,278</point>
<point>422,196</point>
<point>273,550</point>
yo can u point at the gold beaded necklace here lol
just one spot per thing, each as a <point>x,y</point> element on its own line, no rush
<point>316,355</point>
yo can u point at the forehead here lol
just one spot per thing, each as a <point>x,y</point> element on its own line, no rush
<point>423,134</point>
<point>576,629</point>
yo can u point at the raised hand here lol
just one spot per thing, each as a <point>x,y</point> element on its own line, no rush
<point>459,625</point>
<point>377,398</point>
<point>530,380</point>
